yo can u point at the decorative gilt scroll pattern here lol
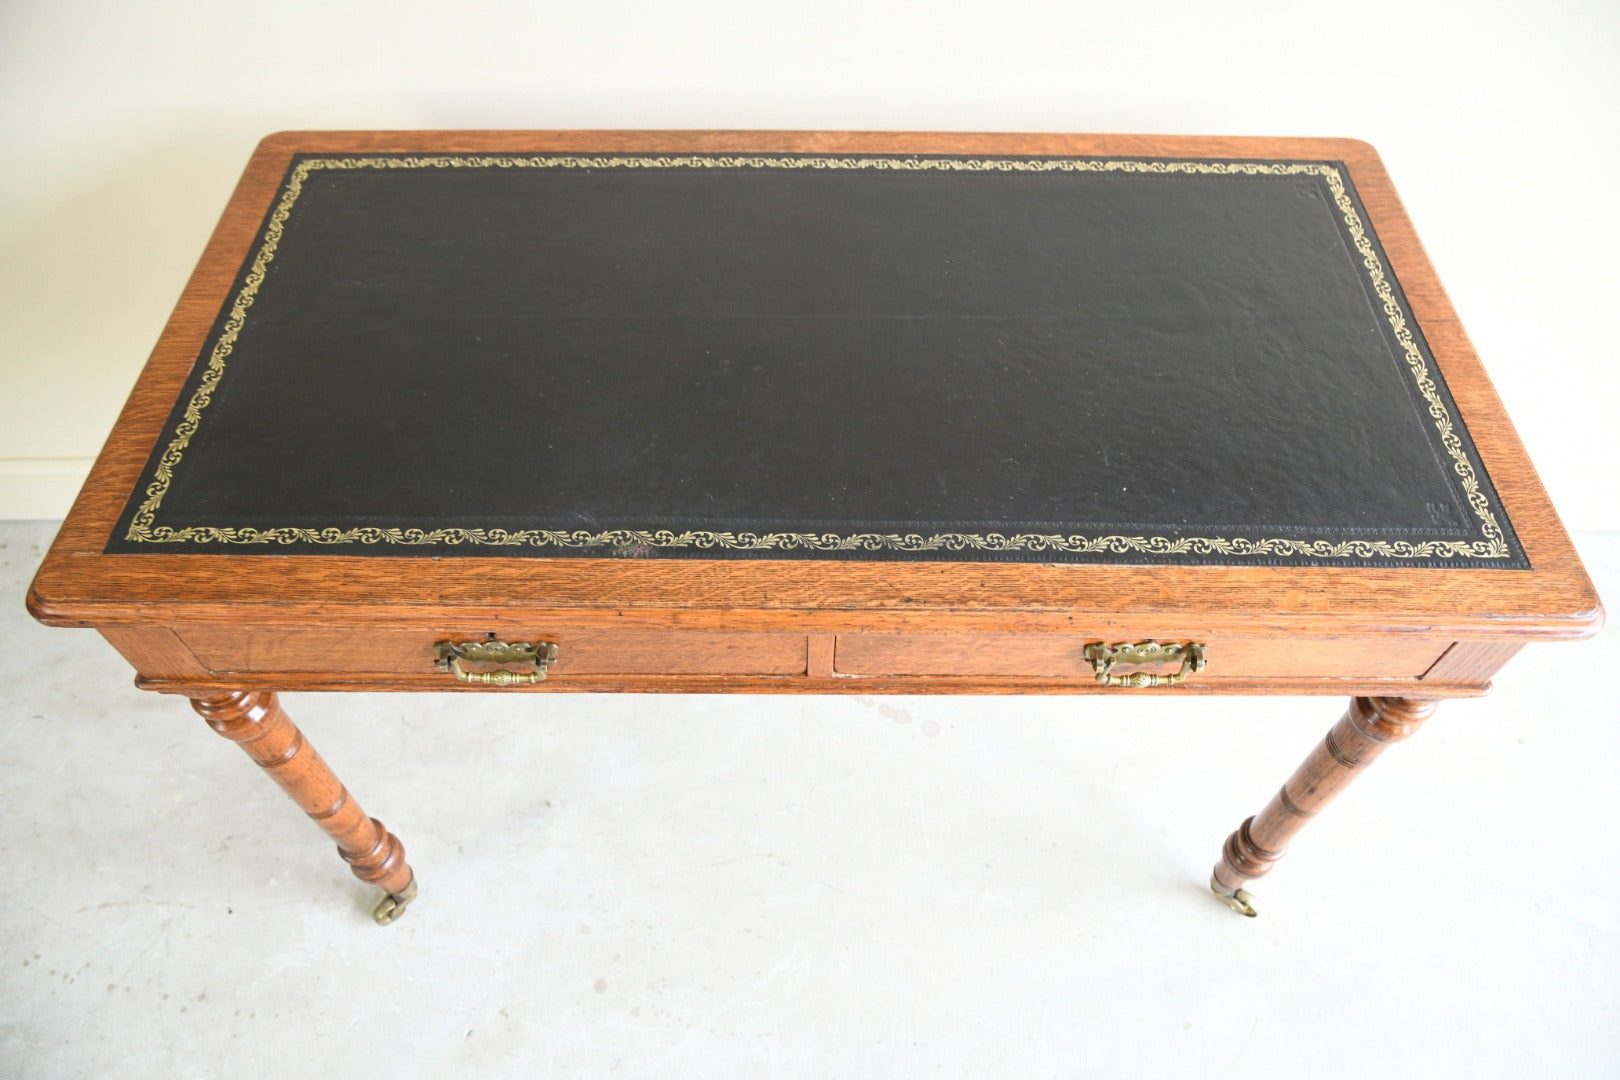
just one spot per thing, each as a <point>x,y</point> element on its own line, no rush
<point>1491,545</point>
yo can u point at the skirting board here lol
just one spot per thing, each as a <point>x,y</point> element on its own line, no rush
<point>38,488</point>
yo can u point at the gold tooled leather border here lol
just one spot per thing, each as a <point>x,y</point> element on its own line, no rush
<point>1491,545</point>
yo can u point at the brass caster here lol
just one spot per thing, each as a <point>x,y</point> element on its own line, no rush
<point>392,906</point>
<point>1237,900</point>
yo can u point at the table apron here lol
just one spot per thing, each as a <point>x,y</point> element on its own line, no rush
<point>189,658</point>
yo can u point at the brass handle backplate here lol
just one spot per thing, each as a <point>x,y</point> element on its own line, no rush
<point>1103,658</point>
<point>542,654</point>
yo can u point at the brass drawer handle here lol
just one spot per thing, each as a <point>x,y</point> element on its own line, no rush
<point>542,654</point>
<point>1103,657</point>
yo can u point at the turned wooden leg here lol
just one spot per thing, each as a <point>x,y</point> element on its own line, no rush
<point>1367,727</point>
<point>254,720</point>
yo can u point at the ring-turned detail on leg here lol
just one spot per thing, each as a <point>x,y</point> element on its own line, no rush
<point>1367,727</point>
<point>254,720</point>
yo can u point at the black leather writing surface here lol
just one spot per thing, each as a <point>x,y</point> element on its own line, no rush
<point>935,358</point>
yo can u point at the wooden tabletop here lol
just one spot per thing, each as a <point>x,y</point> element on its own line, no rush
<point>81,583</point>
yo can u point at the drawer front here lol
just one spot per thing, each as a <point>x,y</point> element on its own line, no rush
<point>1232,658</point>
<point>580,652</point>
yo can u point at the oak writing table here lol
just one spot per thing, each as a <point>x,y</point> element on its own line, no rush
<point>814,413</point>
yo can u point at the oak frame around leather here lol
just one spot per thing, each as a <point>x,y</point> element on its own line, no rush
<point>78,585</point>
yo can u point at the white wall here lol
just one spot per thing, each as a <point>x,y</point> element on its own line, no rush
<point>123,126</point>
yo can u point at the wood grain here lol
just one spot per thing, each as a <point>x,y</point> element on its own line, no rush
<point>791,684</point>
<point>1472,662</point>
<point>1230,657</point>
<point>822,649</point>
<point>229,634</point>
<point>256,722</point>
<point>78,585</point>
<point>237,650</point>
<point>1367,729</point>
<point>155,652</point>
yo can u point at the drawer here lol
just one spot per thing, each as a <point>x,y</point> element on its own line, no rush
<point>579,652</point>
<point>1230,658</point>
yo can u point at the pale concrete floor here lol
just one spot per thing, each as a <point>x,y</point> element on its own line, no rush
<point>804,887</point>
